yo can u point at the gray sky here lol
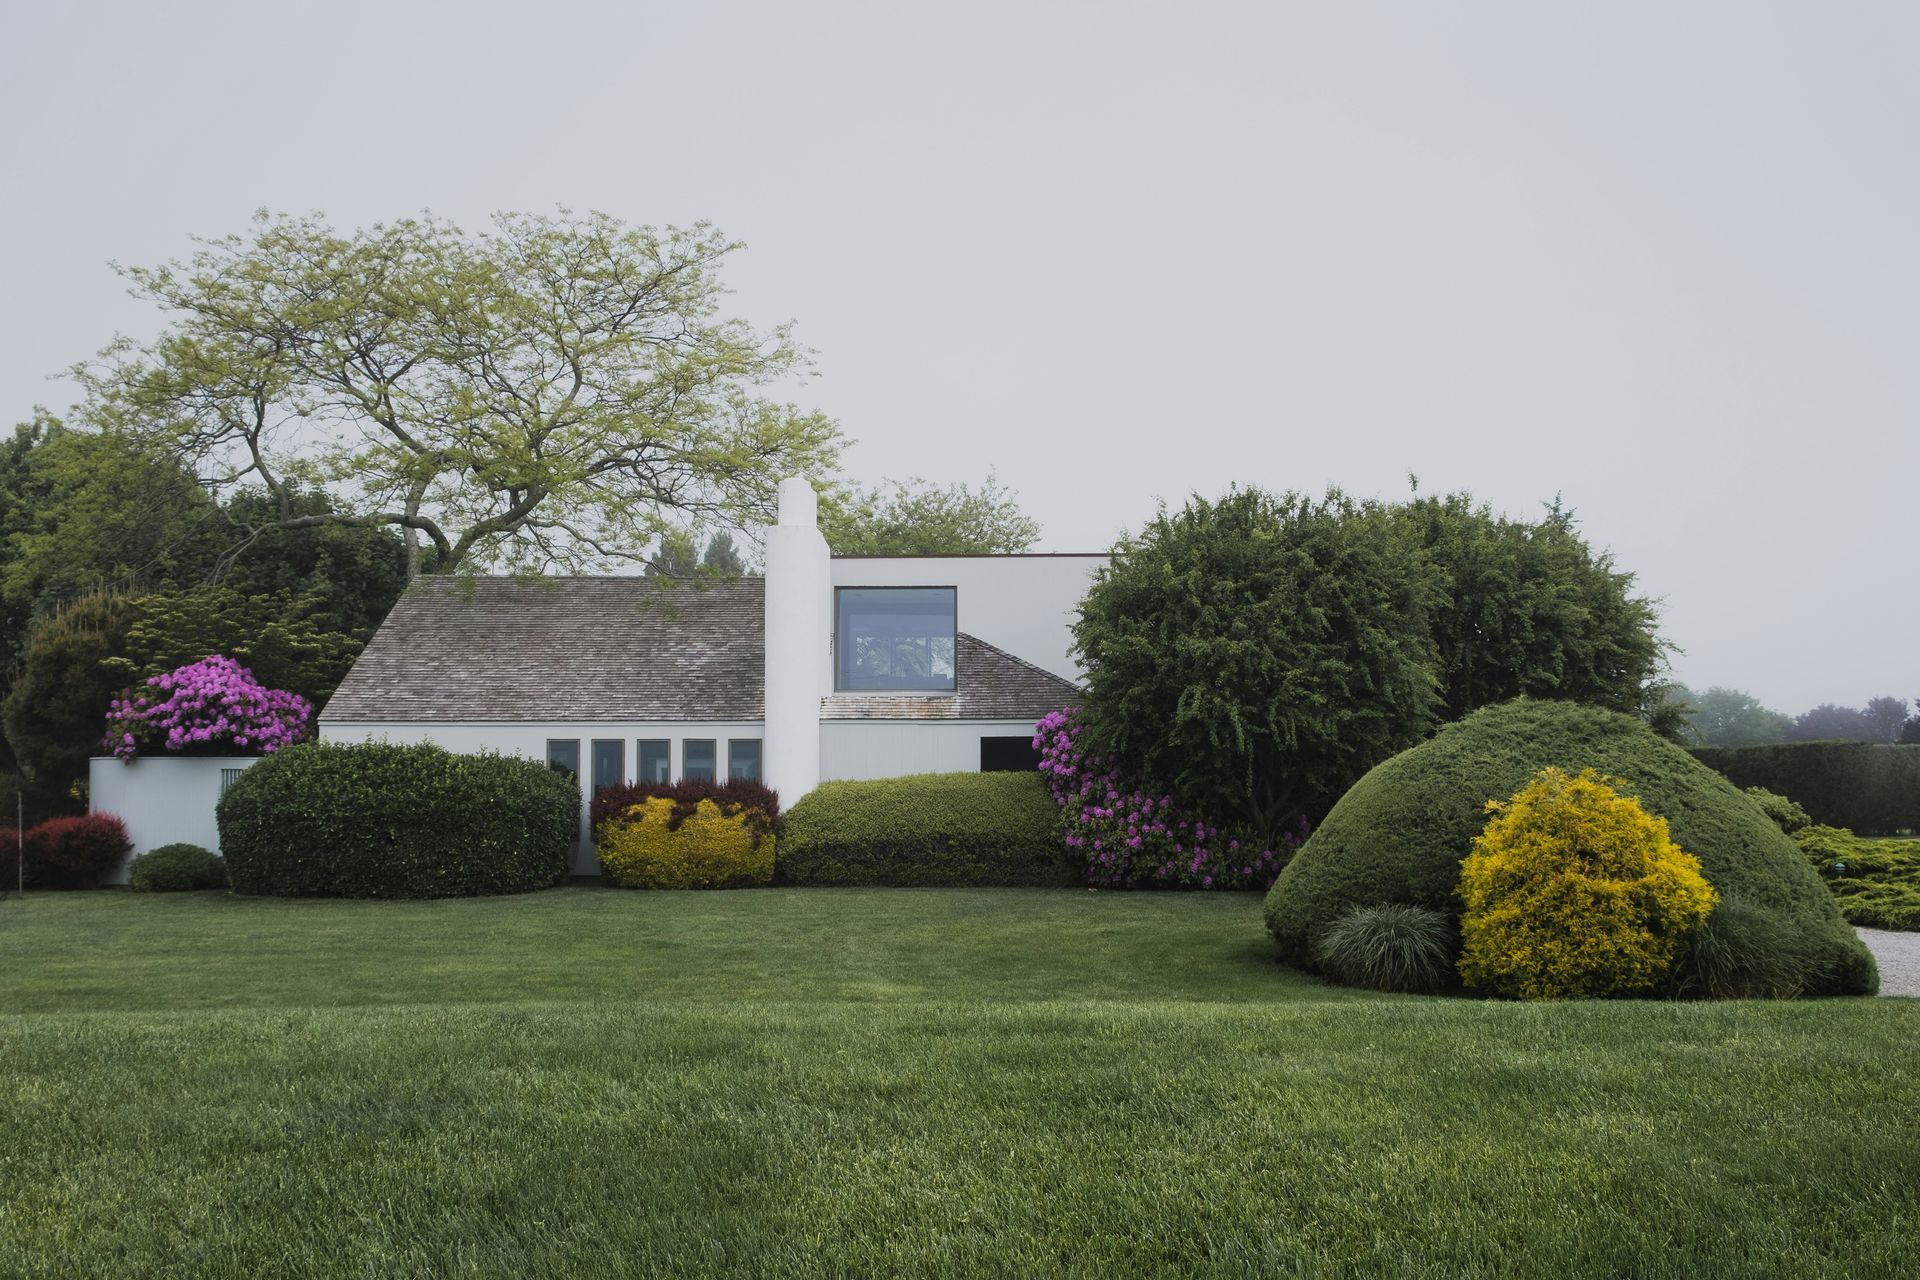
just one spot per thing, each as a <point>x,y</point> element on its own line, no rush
<point>1661,259</point>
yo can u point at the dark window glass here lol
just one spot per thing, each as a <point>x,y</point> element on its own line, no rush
<point>563,756</point>
<point>895,638</point>
<point>1008,755</point>
<point>656,761</point>
<point>743,760</point>
<point>697,760</point>
<point>609,762</point>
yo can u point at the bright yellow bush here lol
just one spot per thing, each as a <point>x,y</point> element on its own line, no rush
<point>640,848</point>
<point>1574,890</point>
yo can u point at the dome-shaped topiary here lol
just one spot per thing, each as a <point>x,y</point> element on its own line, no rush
<point>1401,833</point>
<point>1574,890</point>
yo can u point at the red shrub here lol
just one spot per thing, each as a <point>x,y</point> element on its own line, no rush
<point>73,853</point>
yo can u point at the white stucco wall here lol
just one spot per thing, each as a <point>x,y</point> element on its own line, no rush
<point>799,599</point>
<point>1025,605</point>
<point>890,748</point>
<point>529,739</point>
<point>162,799</point>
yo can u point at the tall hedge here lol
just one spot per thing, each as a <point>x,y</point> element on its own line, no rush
<point>1869,787</point>
<point>376,820</point>
<point>926,829</point>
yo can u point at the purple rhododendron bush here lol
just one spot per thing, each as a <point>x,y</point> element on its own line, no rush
<point>210,707</point>
<point>1132,838</point>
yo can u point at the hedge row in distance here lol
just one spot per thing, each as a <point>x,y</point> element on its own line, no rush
<point>927,829</point>
<point>378,820</point>
<point>1869,787</point>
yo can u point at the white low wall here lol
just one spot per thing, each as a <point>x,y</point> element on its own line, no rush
<point>891,748</point>
<point>162,799</point>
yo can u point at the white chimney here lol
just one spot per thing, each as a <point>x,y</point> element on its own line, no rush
<point>799,629</point>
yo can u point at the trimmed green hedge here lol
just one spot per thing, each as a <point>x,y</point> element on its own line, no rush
<point>927,829</point>
<point>1869,787</point>
<point>1400,834</point>
<point>376,820</point>
<point>177,868</point>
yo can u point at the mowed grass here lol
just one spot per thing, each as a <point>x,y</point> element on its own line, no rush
<point>896,1082</point>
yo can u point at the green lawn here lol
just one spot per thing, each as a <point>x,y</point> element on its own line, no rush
<point>894,1082</point>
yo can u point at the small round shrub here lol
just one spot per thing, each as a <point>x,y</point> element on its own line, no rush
<point>380,820</point>
<point>652,846</point>
<point>1574,890</point>
<point>1392,947</point>
<point>177,868</point>
<point>1401,833</point>
<point>73,853</point>
<point>1786,815</point>
<point>927,829</point>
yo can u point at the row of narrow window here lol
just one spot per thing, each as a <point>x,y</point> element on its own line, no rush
<point>699,760</point>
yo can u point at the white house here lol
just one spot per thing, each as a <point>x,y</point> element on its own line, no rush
<point>828,667</point>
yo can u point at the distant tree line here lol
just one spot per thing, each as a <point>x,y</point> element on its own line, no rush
<point>1722,717</point>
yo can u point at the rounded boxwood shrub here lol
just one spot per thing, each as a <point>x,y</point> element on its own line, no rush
<point>927,829</point>
<point>176,868</point>
<point>379,820</point>
<point>73,853</point>
<point>1574,890</point>
<point>1402,832</point>
<point>1391,947</point>
<point>660,843</point>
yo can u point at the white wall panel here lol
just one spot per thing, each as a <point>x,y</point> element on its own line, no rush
<point>891,748</point>
<point>162,799</point>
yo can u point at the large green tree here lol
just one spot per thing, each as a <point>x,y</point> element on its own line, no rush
<point>546,392</point>
<point>1723,717</point>
<point>1527,607</point>
<point>918,518</point>
<point>1256,655</point>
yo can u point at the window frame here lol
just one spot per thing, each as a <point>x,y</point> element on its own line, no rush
<point>593,764</point>
<point>640,746</point>
<point>839,669</point>
<point>759,759</point>
<point>571,771</point>
<point>713,755</point>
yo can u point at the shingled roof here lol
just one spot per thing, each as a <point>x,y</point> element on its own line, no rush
<point>562,649</point>
<point>626,649</point>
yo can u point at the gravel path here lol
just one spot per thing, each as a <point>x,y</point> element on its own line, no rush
<point>1899,958</point>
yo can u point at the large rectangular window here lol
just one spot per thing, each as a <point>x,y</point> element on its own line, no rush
<point>609,763</point>
<point>696,755</point>
<point>563,756</point>
<point>1008,755</point>
<point>895,638</point>
<point>743,760</point>
<point>656,761</point>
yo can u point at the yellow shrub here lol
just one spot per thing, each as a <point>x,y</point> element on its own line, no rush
<point>1575,890</point>
<point>640,849</point>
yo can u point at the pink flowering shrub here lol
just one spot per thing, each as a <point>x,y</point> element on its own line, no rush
<point>1131,838</point>
<point>210,707</point>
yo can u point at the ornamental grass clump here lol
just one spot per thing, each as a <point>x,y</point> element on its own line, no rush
<point>210,707</point>
<point>1573,890</point>
<point>1393,947</point>
<point>1131,838</point>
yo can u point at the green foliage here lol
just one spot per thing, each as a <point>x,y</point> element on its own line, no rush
<point>375,820</point>
<point>549,392</point>
<point>1401,833</point>
<point>56,710</point>
<point>926,829</point>
<point>1528,608</point>
<point>1876,882</point>
<point>1786,815</point>
<point>177,868</point>
<point>1723,717</point>
<point>1391,947</point>
<point>347,577</point>
<point>1869,787</point>
<point>721,557</point>
<point>917,518</point>
<point>1574,891</point>
<point>1254,656</point>
<point>279,638</point>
